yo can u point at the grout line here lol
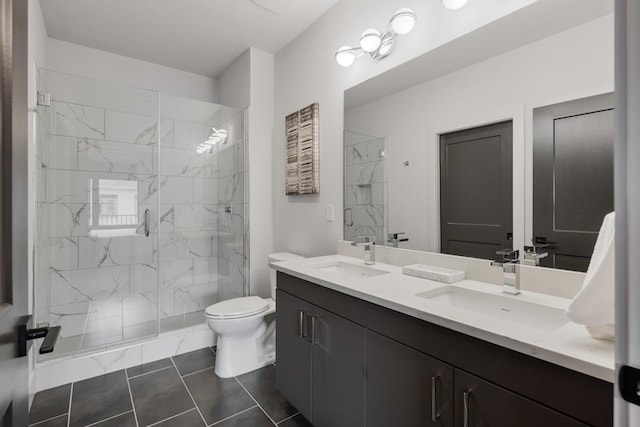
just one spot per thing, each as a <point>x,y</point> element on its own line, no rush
<point>251,396</point>
<point>133,405</point>
<point>147,373</point>
<point>196,372</point>
<point>188,391</point>
<point>107,419</point>
<point>212,350</point>
<point>48,419</point>
<point>70,400</point>
<point>234,415</point>
<point>171,417</point>
<point>288,418</point>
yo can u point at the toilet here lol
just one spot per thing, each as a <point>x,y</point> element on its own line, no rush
<point>246,341</point>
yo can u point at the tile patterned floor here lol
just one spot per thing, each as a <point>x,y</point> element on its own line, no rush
<point>182,391</point>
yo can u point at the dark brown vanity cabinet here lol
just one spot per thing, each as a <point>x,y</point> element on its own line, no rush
<point>406,387</point>
<point>347,362</point>
<point>481,403</point>
<point>321,367</point>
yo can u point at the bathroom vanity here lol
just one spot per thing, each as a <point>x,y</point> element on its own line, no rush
<point>360,347</point>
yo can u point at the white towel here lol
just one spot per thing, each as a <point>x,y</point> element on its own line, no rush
<point>594,304</point>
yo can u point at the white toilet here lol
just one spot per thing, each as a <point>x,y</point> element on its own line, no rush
<point>245,341</point>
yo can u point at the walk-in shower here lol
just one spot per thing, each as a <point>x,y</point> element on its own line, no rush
<point>138,228</point>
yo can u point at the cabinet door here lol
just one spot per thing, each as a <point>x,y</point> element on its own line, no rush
<point>405,387</point>
<point>293,351</point>
<point>338,371</point>
<point>480,403</point>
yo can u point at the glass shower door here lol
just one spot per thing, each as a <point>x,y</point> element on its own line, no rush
<point>97,204</point>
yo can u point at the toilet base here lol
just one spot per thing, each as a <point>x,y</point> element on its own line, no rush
<point>239,355</point>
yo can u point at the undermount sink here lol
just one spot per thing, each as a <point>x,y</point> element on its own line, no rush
<point>346,269</point>
<point>504,308</point>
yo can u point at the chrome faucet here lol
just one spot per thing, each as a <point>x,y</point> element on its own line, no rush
<point>394,240</point>
<point>510,270</point>
<point>367,242</point>
<point>534,253</point>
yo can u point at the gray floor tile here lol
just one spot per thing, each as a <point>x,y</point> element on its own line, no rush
<point>261,384</point>
<point>252,418</point>
<point>188,419</point>
<point>217,398</point>
<point>99,398</point>
<point>194,361</point>
<point>124,420</point>
<point>297,421</point>
<point>159,395</point>
<point>148,367</point>
<point>60,421</point>
<point>50,403</point>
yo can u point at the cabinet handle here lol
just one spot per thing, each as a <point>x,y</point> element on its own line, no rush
<point>434,400</point>
<point>147,213</point>
<point>301,323</point>
<point>465,407</point>
<point>313,330</point>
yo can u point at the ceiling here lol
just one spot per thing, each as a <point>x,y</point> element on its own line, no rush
<point>199,36</point>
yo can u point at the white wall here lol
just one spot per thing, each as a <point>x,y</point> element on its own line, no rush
<point>234,83</point>
<point>37,46</point>
<point>248,81</point>
<point>569,65</point>
<point>261,169</point>
<point>306,72</point>
<point>84,61</point>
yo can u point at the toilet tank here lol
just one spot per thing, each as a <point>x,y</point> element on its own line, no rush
<point>280,256</point>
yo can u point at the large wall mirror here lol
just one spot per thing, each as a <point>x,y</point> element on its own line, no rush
<point>498,139</point>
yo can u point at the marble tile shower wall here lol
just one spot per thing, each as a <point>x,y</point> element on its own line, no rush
<point>95,278</point>
<point>365,188</point>
<point>233,219</point>
<point>201,244</point>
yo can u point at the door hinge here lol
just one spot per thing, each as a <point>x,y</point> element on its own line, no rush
<point>44,99</point>
<point>629,383</point>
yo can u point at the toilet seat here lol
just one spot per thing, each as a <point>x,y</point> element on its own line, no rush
<point>237,308</point>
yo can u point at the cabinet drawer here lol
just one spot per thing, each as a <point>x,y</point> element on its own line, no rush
<point>349,307</point>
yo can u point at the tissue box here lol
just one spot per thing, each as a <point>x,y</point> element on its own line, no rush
<point>431,272</point>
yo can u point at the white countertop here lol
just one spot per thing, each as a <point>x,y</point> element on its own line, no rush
<point>569,346</point>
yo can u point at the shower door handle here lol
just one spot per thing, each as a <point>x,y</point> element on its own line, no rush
<point>350,222</point>
<point>147,214</point>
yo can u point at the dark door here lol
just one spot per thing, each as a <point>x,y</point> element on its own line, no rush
<point>13,215</point>
<point>406,387</point>
<point>476,190</point>
<point>338,371</point>
<point>481,403</point>
<point>572,177</point>
<point>293,351</point>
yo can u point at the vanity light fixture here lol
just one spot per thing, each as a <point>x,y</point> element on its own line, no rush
<point>374,43</point>
<point>454,4</point>
<point>216,136</point>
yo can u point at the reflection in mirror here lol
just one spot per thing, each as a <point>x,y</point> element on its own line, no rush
<point>481,79</point>
<point>365,186</point>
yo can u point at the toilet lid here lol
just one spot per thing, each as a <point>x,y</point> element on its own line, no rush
<point>238,307</point>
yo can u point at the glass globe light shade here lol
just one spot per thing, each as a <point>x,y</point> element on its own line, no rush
<point>403,21</point>
<point>344,56</point>
<point>454,4</point>
<point>370,40</point>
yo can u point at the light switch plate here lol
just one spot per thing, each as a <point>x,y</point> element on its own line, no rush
<point>330,215</point>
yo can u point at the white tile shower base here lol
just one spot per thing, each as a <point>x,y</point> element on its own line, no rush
<point>55,372</point>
